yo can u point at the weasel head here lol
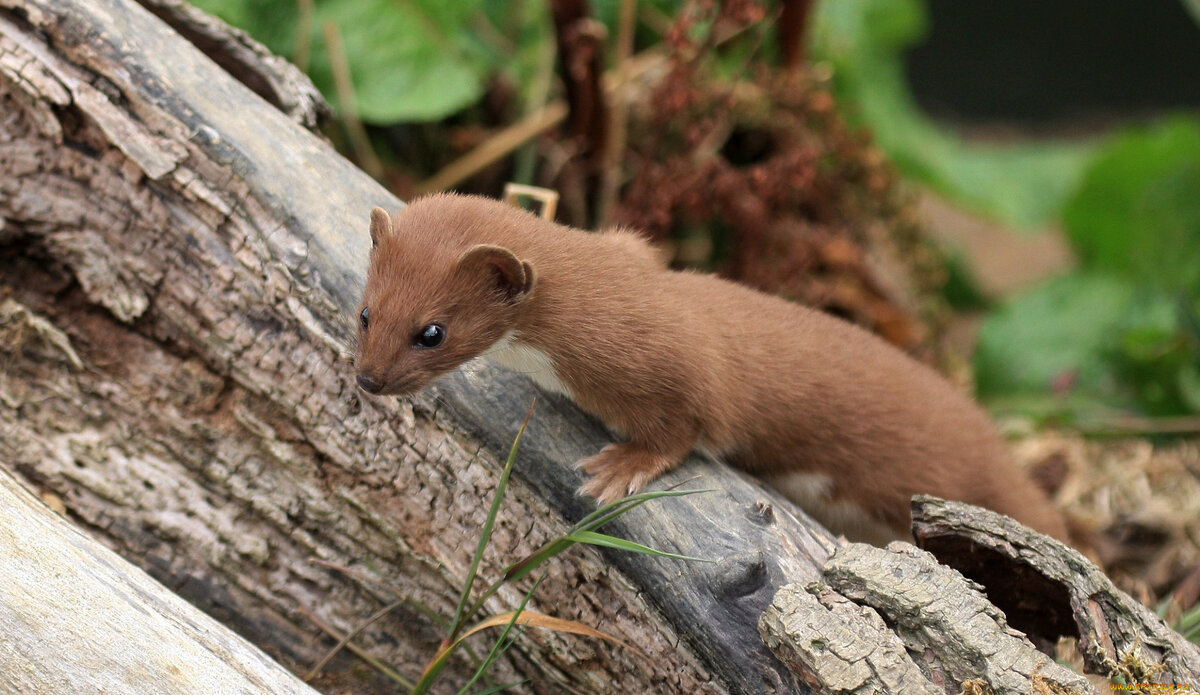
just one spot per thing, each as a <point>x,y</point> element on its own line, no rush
<point>429,306</point>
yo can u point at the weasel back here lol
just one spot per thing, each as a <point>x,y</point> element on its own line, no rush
<point>672,360</point>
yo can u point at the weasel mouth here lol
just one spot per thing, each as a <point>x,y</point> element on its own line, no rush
<point>369,385</point>
<point>385,386</point>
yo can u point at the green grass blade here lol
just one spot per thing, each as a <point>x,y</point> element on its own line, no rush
<point>486,534</point>
<point>588,523</point>
<point>1188,624</point>
<point>592,521</point>
<point>531,562</point>
<point>612,510</point>
<point>518,570</point>
<point>593,538</point>
<point>502,643</point>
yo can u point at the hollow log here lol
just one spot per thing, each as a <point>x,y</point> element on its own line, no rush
<point>896,622</point>
<point>1048,590</point>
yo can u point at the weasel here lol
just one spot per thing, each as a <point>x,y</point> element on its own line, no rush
<point>846,425</point>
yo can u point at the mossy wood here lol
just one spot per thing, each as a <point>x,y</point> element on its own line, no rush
<point>180,262</point>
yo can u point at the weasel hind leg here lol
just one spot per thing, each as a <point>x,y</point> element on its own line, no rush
<point>623,469</point>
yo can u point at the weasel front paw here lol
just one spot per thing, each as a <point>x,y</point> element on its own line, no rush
<point>620,470</point>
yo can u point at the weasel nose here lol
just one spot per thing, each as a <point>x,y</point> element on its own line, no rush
<point>368,384</point>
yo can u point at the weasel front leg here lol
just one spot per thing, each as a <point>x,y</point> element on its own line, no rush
<point>624,469</point>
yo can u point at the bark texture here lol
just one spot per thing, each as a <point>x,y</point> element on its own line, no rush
<point>936,631</point>
<point>179,259</point>
<point>896,621</point>
<point>1049,590</point>
<point>76,618</point>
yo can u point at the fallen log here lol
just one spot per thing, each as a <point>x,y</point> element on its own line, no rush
<point>198,253</point>
<point>1048,590</point>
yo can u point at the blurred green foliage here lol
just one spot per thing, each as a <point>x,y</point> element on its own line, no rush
<point>864,40</point>
<point>1119,332</point>
<point>1122,330</point>
<point>1137,214</point>
<point>409,60</point>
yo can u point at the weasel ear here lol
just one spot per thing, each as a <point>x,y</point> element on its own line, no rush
<point>381,226</point>
<point>511,276</point>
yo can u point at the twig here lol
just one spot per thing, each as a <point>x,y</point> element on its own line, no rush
<point>546,197</point>
<point>359,141</point>
<point>614,150</point>
<point>1124,425</point>
<point>504,142</point>
<point>360,653</point>
<point>496,147</point>
<point>302,48</point>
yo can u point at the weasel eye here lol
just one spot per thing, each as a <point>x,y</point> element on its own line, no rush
<point>430,336</point>
<point>365,317</point>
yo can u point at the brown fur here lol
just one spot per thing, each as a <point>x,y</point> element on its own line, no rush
<point>675,360</point>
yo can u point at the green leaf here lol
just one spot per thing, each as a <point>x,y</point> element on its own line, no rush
<point>272,22</point>
<point>1095,337</point>
<point>409,60</point>
<point>1137,211</point>
<point>1059,331</point>
<point>600,539</point>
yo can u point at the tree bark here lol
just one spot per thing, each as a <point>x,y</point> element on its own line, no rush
<point>181,260</point>
<point>1048,590</point>
<point>895,621</point>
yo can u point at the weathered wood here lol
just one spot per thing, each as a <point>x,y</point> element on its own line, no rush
<point>201,252</point>
<point>249,62</point>
<point>76,618</point>
<point>1049,590</point>
<point>837,645</point>
<point>895,621</point>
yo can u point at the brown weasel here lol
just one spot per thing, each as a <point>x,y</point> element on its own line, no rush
<point>831,415</point>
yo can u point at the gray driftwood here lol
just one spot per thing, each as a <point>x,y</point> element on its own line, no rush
<point>181,260</point>
<point>1048,590</point>
<point>76,618</point>
<point>895,621</point>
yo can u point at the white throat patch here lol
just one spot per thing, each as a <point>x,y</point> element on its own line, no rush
<point>520,357</point>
